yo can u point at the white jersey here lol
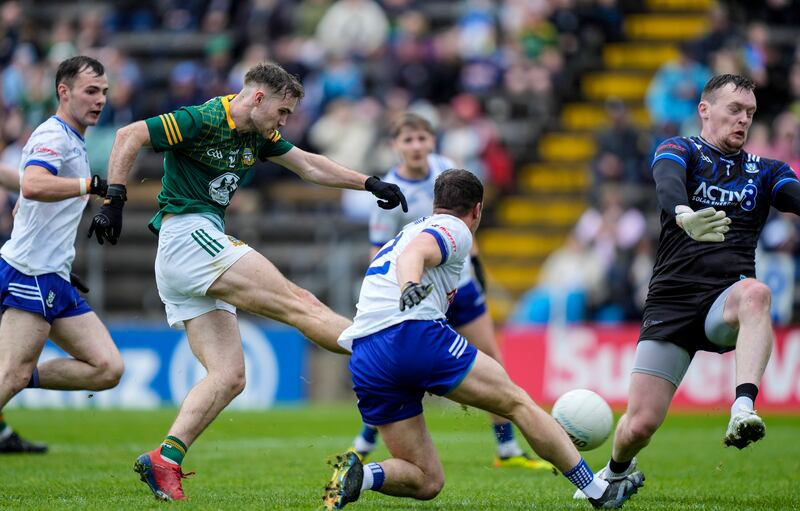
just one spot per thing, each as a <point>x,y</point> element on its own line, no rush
<point>384,224</point>
<point>43,238</point>
<point>379,301</point>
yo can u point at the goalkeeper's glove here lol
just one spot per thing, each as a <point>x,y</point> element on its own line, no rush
<point>413,293</point>
<point>705,225</point>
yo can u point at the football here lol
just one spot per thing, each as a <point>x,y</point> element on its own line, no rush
<point>585,416</point>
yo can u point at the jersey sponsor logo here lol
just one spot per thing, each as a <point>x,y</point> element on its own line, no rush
<point>247,156</point>
<point>215,153</point>
<point>47,150</point>
<point>444,231</point>
<point>674,147</point>
<point>716,196</point>
<point>221,189</point>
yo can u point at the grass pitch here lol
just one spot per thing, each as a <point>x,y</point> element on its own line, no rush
<point>276,460</point>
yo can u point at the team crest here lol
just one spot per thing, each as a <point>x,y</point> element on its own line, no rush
<point>751,168</point>
<point>247,157</point>
<point>51,298</point>
<point>221,189</point>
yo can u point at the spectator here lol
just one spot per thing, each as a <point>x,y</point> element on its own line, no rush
<point>353,27</point>
<point>622,149</point>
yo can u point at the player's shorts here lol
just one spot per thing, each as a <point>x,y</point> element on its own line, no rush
<point>192,254</point>
<point>669,359</point>
<point>48,295</point>
<point>468,304</point>
<point>393,368</point>
<point>680,317</point>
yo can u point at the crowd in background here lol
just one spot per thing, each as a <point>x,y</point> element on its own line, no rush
<point>491,75</point>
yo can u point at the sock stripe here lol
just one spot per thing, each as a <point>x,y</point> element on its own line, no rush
<point>177,444</point>
<point>378,475</point>
<point>580,475</point>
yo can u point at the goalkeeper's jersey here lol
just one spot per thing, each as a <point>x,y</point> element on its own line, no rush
<point>205,158</point>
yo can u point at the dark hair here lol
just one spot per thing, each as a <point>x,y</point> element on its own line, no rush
<point>717,82</point>
<point>276,78</point>
<point>457,190</point>
<point>412,121</point>
<point>69,69</point>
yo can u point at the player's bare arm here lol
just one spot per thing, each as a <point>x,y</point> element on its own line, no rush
<point>107,223</point>
<point>129,140</point>
<point>40,184</point>
<point>423,252</point>
<point>321,170</point>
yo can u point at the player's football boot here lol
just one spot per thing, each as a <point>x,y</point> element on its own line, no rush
<point>524,460</point>
<point>163,478</point>
<point>606,475</point>
<point>619,491</point>
<point>15,444</point>
<point>744,428</point>
<point>345,484</point>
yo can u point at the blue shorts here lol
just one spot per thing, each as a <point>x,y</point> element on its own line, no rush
<point>48,295</point>
<point>468,304</point>
<point>392,369</point>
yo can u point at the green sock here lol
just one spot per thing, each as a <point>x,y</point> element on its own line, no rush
<point>173,449</point>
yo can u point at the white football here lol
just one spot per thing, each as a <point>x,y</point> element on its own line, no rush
<point>585,416</point>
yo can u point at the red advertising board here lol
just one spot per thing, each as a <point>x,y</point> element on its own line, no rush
<point>549,362</point>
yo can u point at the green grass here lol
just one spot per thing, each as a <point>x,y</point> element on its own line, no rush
<point>277,460</point>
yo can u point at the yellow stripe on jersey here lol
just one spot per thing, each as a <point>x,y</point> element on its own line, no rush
<point>274,136</point>
<point>171,129</point>
<point>166,130</point>
<point>225,100</point>
<point>174,124</point>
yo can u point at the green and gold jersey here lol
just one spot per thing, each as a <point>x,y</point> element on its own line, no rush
<point>205,158</point>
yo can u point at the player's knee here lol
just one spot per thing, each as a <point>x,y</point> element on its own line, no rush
<point>16,379</point>
<point>233,384</point>
<point>642,427</point>
<point>431,487</point>
<point>756,298</point>
<point>108,373</point>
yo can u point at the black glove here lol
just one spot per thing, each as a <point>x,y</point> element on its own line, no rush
<point>413,293</point>
<point>107,223</point>
<point>77,283</point>
<point>98,186</point>
<point>480,275</point>
<point>389,194</point>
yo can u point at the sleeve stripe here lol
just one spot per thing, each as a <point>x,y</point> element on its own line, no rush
<point>174,123</point>
<point>167,130</point>
<point>440,241</point>
<point>670,156</point>
<point>780,183</point>
<point>41,163</point>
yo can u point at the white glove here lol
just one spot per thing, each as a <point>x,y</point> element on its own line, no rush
<point>705,225</point>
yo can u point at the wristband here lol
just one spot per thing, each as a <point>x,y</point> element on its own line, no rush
<point>83,185</point>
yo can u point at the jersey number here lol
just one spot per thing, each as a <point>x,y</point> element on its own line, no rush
<point>383,269</point>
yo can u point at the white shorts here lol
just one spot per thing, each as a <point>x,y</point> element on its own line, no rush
<point>192,253</point>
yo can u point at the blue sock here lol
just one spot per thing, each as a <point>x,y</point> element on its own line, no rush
<point>580,475</point>
<point>503,432</point>
<point>369,434</point>
<point>33,383</point>
<point>373,477</point>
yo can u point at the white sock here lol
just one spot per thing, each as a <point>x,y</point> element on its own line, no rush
<point>742,403</point>
<point>366,484</point>
<point>6,432</point>
<point>596,488</point>
<point>507,449</point>
<point>361,445</point>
